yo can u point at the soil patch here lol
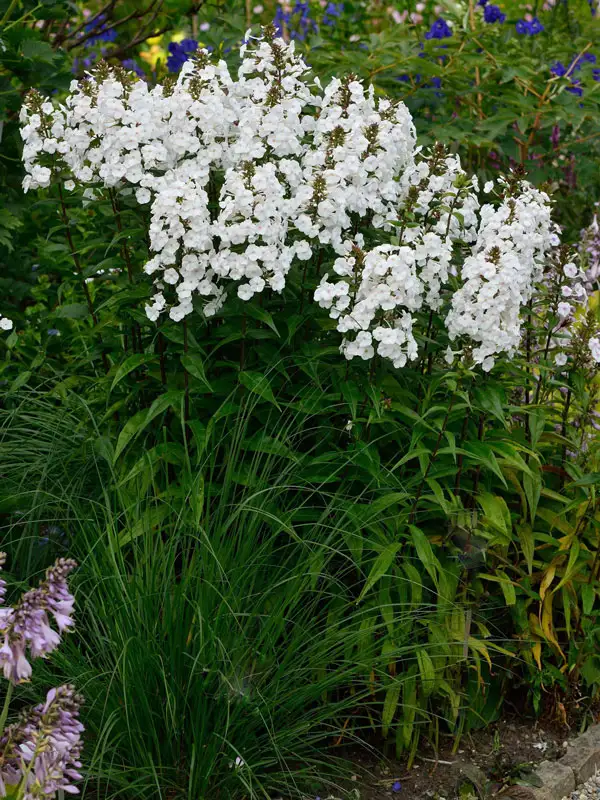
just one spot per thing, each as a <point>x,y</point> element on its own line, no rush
<point>486,763</point>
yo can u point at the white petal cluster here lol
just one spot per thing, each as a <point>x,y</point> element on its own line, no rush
<point>5,323</point>
<point>247,177</point>
<point>499,275</point>
<point>375,295</point>
<point>242,175</point>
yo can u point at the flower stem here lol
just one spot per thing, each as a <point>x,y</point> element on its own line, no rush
<point>77,263</point>
<point>186,377</point>
<point>7,699</point>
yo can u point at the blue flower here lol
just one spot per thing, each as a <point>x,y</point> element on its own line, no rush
<point>558,68</point>
<point>575,88</point>
<point>131,64</point>
<point>280,19</point>
<point>179,52</point>
<point>332,12</point>
<point>596,74</point>
<point>439,30</point>
<point>396,786</point>
<point>492,14</point>
<point>535,26</point>
<point>103,34</point>
<point>297,21</point>
<point>579,61</point>
<point>334,9</point>
<point>523,26</point>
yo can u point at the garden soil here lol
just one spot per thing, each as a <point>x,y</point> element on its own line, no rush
<point>486,764</point>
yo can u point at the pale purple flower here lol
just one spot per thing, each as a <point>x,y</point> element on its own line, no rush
<point>28,623</point>
<point>44,747</point>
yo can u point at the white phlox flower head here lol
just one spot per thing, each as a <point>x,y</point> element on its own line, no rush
<point>247,176</point>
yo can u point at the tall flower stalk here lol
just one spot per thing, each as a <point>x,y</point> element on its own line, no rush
<point>39,751</point>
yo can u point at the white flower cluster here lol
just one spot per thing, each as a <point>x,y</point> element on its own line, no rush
<point>566,284</point>
<point>5,323</point>
<point>499,276</point>
<point>374,295</point>
<point>250,175</point>
<point>243,175</point>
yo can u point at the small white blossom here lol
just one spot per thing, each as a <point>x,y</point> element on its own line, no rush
<point>560,359</point>
<point>594,345</point>
<point>571,270</point>
<point>564,309</point>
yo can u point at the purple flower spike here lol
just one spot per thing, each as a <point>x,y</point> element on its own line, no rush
<point>42,750</point>
<point>27,625</point>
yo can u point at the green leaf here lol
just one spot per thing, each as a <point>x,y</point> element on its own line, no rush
<point>257,383</point>
<point>71,311</point>
<point>525,534</point>
<point>169,452</point>
<point>132,427</point>
<point>38,51</point>
<point>382,563</point>
<point>262,443</point>
<point>483,453</point>
<point>151,518</point>
<point>20,381</point>
<point>427,671</point>
<point>425,553</point>
<point>260,314</point>
<point>195,366</point>
<point>496,511</point>
<point>508,589</point>
<point>139,421</point>
<point>532,484</point>
<point>390,704</point>
<point>131,362</point>
<point>588,598</point>
<point>416,583</point>
<point>574,551</point>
